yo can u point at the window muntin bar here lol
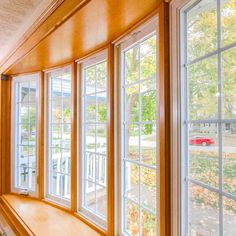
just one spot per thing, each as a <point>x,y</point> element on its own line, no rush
<point>93,202</point>
<point>139,135</point>
<point>208,118</point>
<point>24,134</point>
<point>58,118</point>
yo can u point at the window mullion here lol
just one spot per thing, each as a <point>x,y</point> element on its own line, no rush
<point>219,37</point>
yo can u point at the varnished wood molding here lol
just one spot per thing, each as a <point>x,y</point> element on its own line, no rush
<point>17,224</point>
<point>46,24</point>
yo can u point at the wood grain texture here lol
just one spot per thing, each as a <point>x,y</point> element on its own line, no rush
<point>110,138</point>
<point>5,135</point>
<point>43,219</point>
<point>93,26</point>
<point>164,120</point>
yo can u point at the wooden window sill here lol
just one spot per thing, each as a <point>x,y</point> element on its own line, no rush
<point>33,217</point>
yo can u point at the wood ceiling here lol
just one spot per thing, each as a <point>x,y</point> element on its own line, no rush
<point>94,24</point>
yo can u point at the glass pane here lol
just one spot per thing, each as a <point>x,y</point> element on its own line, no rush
<point>148,59</point>
<point>229,83</point>
<point>65,162</point>
<point>90,166</point>
<point>132,142</point>
<point>148,101</point>
<point>56,135</point>
<point>24,116</point>
<point>55,88</point>
<point>90,80</point>
<point>22,160</point>
<point>132,65</point>
<point>229,217</point>
<point>101,200</point>
<point>56,113</point>
<point>55,183</point>
<point>101,145</point>
<point>102,169</point>
<point>203,89</point>
<point>24,92</point>
<point>131,218</point>
<point>90,107</point>
<point>66,110</point>
<point>204,153</point>
<point>149,224</point>
<point>101,76</point>
<point>229,154</point>
<point>202,29</point>
<point>148,188</point>
<point>65,181</point>
<point>32,114</point>
<point>90,138</point>
<point>132,104</point>
<point>228,14</point>
<point>23,130</point>
<point>148,144</point>
<point>90,200</point>
<point>132,181</point>
<point>203,211</point>
<point>23,177</point>
<point>32,179</point>
<point>32,92</point>
<point>101,107</point>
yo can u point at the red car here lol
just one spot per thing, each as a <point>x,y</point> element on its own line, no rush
<point>199,140</point>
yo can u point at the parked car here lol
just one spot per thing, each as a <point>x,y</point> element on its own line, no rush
<point>200,140</point>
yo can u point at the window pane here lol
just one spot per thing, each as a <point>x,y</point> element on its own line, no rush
<point>148,101</point>
<point>90,108</point>
<point>202,29</point>
<point>132,145</point>
<point>148,188</point>
<point>132,65</point>
<point>149,223</point>
<point>203,89</point>
<point>101,144</point>
<point>90,200</point>
<point>132,104</point>
<point>101,76</point>
<point>148,58</point>
<point>204,153</point>
<point>229,83</point>
<point>148,144</point>
<point>131,218</point>
<point>228,14</point>
<point>229,154</point>
<point>90,80</point>
<point>203,211</point>
<point>132,181</point>
<point>101,200</point>
<point>229,217</point>
<point>101,107</point>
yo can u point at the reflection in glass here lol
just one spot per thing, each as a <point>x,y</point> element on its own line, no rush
<point>229,217</point>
